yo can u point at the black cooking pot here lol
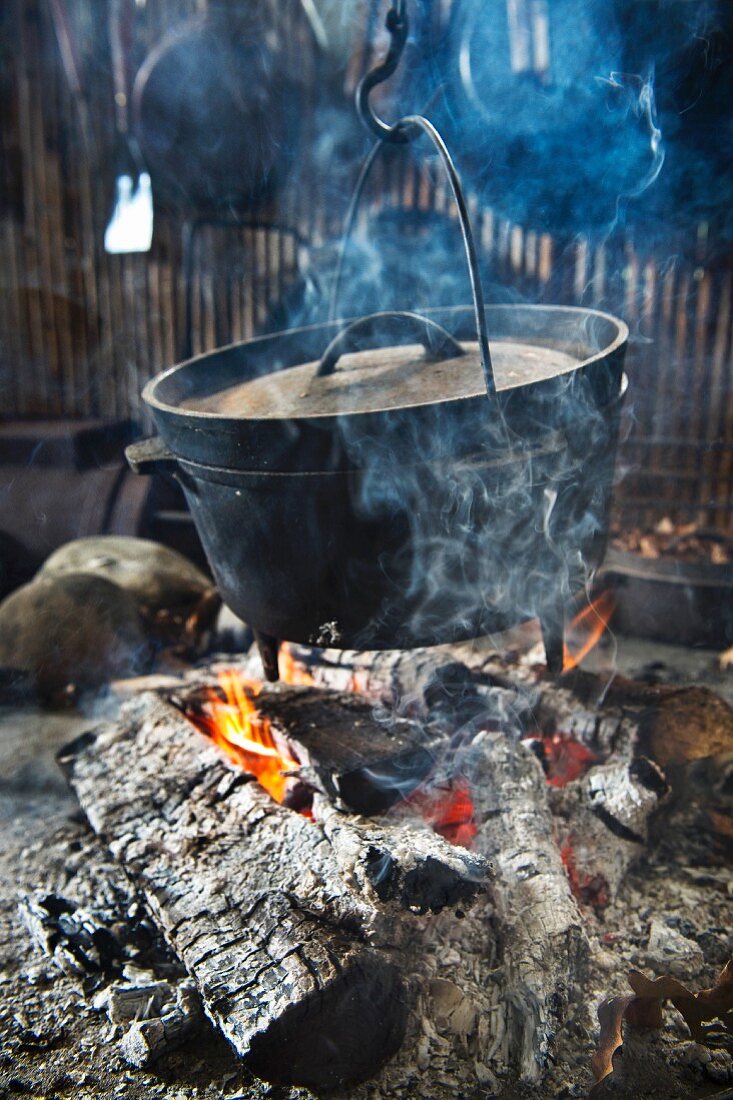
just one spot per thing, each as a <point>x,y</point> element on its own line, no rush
<point>352,490</point>
<point>411,509</point>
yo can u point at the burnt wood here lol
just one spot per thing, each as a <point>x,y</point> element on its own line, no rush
<point>279,967</point>
<point>359,763</point>
<point>547,846</point>
<point>294,964</point>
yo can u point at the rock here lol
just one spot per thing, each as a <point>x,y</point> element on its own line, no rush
<point>73,629</point>
<point>672,953</point>
<point>695,1055</point>
<point>719,1068</point>
<point>158,578</point>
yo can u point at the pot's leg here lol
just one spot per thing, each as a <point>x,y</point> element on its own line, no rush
<point>552,623</point>
<point>268,647</point>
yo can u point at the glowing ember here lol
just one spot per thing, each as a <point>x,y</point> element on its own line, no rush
<point>565,759</point>
<point>587,629</point>
<point>448,810</point>
<point>590,889</point>
<point>234,723</point>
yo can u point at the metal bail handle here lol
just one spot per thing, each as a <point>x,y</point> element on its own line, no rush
<point>404,131</point>
<point>438,343</point>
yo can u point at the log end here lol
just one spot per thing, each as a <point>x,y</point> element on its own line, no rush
<point>429,885</point>
<point>339,1035</point>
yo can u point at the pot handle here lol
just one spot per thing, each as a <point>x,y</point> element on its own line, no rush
<point>438,343</point>
<point>149,456</point>
<point>409,127</point>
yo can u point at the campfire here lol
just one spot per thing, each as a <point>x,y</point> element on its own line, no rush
<point>378,815</point>
<point>231,716</point>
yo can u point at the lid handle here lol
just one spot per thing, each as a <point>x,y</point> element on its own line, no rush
<point>438,343</point>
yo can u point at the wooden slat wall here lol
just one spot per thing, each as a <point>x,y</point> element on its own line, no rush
<point>81,331</point>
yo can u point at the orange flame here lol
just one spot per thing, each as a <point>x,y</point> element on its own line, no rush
<point>587,628</point>
<point>292,671</point>
<point>234,723</point>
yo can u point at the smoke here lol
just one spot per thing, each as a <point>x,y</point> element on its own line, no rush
<point>473,520</point>
<point>642,105</point>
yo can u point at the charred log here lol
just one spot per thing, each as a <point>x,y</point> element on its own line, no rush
<point>359,763</point>
<point>253,898</point>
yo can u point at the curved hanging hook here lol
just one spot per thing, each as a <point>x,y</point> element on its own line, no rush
<point>398,26</point>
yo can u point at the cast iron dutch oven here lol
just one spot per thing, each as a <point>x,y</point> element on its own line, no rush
<point>401,480</point>
<point>390,483</point>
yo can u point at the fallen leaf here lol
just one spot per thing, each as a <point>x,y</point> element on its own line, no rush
<point>610,1017</point>
<point>643,1009</point>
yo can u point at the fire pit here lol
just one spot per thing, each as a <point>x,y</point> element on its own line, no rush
<point>415,869</point>
<point>460,871</point>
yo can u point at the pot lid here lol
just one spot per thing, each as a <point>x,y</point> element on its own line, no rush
<point>393,377</point>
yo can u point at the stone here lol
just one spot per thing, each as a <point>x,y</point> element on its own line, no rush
<point>74,630</point>
<point>672,953</point>
<point>157,577</point>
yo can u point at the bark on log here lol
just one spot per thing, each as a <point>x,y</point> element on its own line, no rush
<point>361,764</point>
<point>247,895</point>
<point>286,954</point>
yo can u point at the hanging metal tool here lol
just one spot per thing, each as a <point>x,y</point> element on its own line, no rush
<point>130,228</point>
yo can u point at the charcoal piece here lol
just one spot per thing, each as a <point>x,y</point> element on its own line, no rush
<point>77,939</point>
<point>150,1037</point>
<point>363,765</point>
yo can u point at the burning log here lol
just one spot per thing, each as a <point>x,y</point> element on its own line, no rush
<point>569,835</point>
<point>332,739</point>
<point>410,868</point>
<point>603,824</point>
<point>295,965</point>
<point>542,935</point>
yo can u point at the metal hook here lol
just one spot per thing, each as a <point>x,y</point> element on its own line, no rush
<point>398,26</point>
